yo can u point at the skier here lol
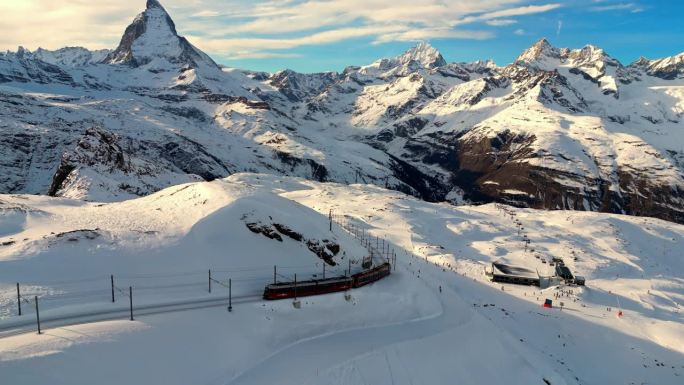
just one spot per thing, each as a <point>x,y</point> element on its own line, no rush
<point>440,288</point>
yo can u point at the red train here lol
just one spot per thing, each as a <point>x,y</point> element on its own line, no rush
<point>324,286</point>
<point>371,275</point>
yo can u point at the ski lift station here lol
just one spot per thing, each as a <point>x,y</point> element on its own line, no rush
<point>505,273</point>
<point>501,272</point>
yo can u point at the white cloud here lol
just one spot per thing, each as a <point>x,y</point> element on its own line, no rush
<point>54,24</point>
<point>631,7</point>
<point>433,33</point>
<point>260,44</point>
<point>519,32</point>
<point>518,11</point>
<point>206,14</point>
<point>239,28</point>
<point>261,55</point>
<point>559,28</point>
<point>500,22</point>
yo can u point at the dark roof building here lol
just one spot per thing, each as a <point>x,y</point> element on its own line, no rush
<point>514,274</point>
<point>564,272</point>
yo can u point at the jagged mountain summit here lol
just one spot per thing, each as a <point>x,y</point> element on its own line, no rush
<point>668,68</point>
<point>71,56</point>
<point>152,37</point>
<point>422,56</point>
<point>559,128</point>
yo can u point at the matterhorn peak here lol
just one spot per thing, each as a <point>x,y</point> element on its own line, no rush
<point>425,54</point>
<point>154,4</point>
<point>151,38</point>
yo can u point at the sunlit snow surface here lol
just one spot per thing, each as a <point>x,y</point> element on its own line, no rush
<point>401,330</point>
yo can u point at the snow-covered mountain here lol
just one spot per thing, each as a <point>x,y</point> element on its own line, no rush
<point>152,41</point>
<point>71,56</point>
<point>559,128</point>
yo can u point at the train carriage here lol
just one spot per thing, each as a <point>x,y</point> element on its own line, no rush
<point>325,286</point>
<point>307,288</point>
<point>369,276</point>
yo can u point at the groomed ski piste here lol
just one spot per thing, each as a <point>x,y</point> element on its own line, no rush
<point>437,319</point>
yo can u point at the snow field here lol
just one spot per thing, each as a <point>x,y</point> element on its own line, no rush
<point>399,330</point>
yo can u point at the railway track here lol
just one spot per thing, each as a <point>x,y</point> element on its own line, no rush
<point>28,325</point>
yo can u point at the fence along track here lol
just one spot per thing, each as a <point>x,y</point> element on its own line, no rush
<point>10,327</point>
<point>28,325</point>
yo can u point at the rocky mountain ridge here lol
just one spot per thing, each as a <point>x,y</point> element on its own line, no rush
<point>558,128</point>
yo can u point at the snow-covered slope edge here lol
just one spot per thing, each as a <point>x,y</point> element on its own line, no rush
<point>403,327</point>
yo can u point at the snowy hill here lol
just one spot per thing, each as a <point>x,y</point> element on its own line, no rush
<point>558,129</point>
<point>435,319</point>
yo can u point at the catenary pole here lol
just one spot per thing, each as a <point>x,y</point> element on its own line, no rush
<point>230,294</point>
<point>130,297</point>
<point>37,315</point>
<point>18,298</point>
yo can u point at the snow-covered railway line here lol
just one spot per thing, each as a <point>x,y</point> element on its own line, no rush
<point>53,319</point>
<point>28,325</point>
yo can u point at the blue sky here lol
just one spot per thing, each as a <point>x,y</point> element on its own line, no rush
<point>321,35</point>
<point>653,29</point>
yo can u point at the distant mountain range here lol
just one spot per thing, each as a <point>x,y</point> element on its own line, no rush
<point>558,129</point>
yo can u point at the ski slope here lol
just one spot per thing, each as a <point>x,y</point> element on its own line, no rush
<point>401,330</point>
